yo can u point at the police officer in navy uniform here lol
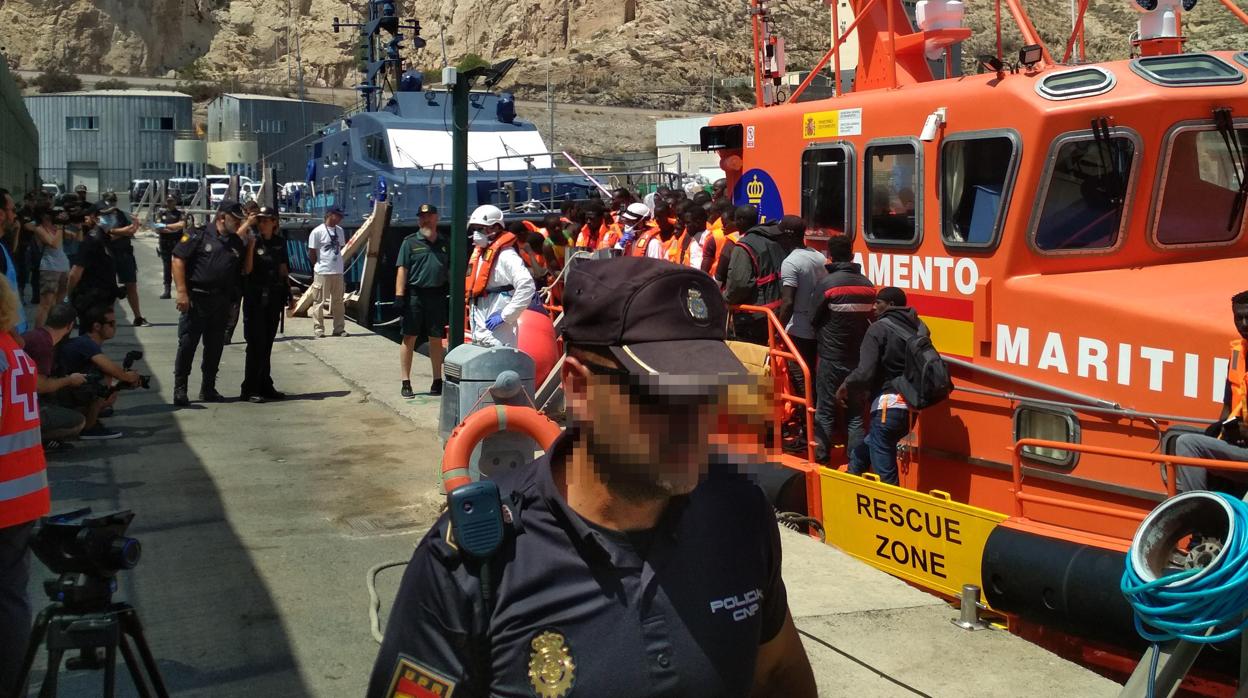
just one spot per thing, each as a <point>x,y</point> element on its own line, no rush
<point>266,293</point>
<point>170,225</point>
<point>207,266</point>
<point>636,561</point>
<point>93,276</point>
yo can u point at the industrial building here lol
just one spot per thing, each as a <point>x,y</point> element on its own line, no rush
<point>19,148</point>
<point>246,131</point>
<point>678,141</point>
<point>104,139</point>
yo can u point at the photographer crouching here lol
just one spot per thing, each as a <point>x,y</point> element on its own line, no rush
<point>24,493</point>
<point>85,354</point>
<point>59,424</point>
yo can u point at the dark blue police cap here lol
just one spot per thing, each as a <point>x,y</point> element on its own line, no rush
<point>664,322</point>
<point>231,207</point>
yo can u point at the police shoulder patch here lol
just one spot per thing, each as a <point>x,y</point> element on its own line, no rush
<point>186,236</point>
<point>412,680</point>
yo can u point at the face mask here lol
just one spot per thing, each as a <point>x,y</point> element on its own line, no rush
<point>480,239</point>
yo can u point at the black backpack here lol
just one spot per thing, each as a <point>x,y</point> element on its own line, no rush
<point>925,380</point>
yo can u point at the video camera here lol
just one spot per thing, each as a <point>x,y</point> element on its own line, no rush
<point>102,390</point>
<point>86,552</point>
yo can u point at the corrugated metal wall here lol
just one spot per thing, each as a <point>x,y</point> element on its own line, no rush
<point>118,150</point>
<point>19,139</point>
<point>240,116</point>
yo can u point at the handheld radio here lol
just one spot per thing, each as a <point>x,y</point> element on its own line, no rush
<point>476,512</point>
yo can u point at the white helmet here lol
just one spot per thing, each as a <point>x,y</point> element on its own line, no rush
<point>486,215</point>
<point>636,211</point>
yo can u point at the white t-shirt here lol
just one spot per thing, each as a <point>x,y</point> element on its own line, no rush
<point>328,243</point>
<point>802,270</point>
<point>697,246</point>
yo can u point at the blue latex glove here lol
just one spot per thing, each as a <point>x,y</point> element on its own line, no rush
<point>627,239</point>
<point>494,322</point>
<point>158,226</point>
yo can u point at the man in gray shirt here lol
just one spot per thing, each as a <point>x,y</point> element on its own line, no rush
<point>800,275</point>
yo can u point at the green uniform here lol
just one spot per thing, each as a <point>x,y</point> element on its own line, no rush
<point>425,306</point>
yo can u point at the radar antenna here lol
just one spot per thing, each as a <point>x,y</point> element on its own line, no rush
<point>377,57</point>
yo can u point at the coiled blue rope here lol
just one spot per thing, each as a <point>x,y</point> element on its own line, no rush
<point>1219,599</point>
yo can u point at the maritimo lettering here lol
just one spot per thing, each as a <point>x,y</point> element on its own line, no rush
<point>1126,364</point>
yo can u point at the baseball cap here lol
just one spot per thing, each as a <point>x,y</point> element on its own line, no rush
<point>336,209</point>
<point>426,208</point>
<point>268,212</point>
<point>231,207</point>
<point>664,322</point>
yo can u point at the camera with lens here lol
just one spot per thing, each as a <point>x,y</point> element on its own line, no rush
<point>100,387</point>
<point>86,552</point>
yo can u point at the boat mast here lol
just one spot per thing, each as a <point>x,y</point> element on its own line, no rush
<point>377,57</point>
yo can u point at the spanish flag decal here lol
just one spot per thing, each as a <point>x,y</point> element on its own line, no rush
<point>951,320</point>
<point>412,680</point>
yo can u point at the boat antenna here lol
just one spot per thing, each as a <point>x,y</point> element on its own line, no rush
<point>375,57</point>
<point>442,37</point>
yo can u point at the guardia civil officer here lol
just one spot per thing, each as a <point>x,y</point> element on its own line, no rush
<point>266,293</point>
<point>629,567</point>
<point>422,295</point>
<point>207,264</point>
<point>169,227</point>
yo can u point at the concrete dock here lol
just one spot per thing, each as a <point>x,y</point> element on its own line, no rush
<point>259,522</point>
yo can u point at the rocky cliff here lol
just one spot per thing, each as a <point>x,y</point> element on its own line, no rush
<point>632,52</point>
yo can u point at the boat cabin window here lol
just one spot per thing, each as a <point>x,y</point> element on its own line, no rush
<point>1200,182</point>
<point>827,176</point>
<point>976,174</point>
<point>1048,424</point>
<point>1083,197</point>
<point>1242,58</point>
<point>1186,70</point>
<point>891,189</point>
<point>375,149</point>
<point>1071,84</point>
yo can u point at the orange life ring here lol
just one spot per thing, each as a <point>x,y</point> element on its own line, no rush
<point>483,423</point>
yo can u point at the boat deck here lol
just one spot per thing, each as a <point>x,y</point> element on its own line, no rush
<point>258,523</point>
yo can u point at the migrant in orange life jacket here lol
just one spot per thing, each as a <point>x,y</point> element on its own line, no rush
<point>481,266</point>
<point>642,243</point>
<point>24,495</point>
<point>604,239</point>
<point>1237,376</point>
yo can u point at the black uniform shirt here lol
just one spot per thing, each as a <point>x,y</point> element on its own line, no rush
<point>169,238</point>
<point>95,256</point>
<point>680,611</point>
<point>117,218</point>
<point>266,264</point>
<point>213,261</point>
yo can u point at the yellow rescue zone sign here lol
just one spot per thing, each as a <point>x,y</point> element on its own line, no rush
<point>931,541</point>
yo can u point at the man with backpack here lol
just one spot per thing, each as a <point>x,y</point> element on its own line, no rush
<point>754,275</point>
<point>900,370</point>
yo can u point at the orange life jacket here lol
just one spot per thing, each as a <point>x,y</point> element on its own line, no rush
<point>642,242</point>
<point>24,492</point>
<point>684,257</point>
<point>674,247</point>
<point>1237,376</point>
<point>480,267</point>
<point>606,237</point>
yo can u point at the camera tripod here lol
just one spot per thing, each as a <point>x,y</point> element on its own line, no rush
<point>87,632</point>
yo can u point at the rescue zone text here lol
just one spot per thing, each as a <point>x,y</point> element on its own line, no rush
<point>934,525</point>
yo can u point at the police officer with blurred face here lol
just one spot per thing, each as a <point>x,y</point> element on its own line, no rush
<point>207,265</point>
<point>636,561</point>
<point>266,292</point>
<point>169,227</point>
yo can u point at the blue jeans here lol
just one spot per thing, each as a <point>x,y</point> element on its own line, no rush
<point>829,377</point>
<point>879,450</point>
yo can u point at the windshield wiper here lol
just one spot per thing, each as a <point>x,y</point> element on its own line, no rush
<point>1235,147</point>
<point>1111,150</point>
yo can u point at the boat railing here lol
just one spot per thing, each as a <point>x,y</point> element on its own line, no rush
<point>780,348</point>
<point>1169,462</point>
